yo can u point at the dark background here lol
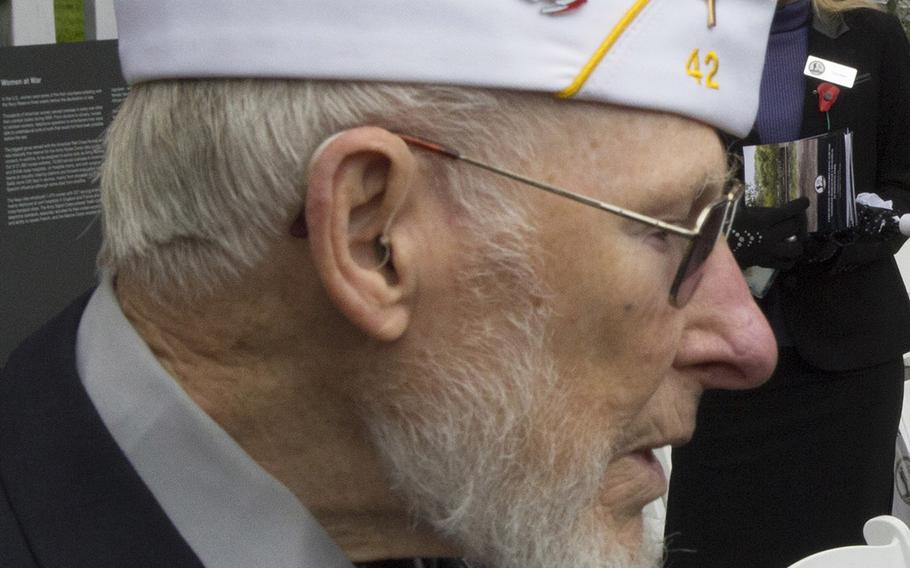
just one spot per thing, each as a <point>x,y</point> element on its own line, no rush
<point>43,266</point>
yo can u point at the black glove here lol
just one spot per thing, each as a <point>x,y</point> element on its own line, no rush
<point>867,241</point>
<point>875,222</point>
<point>769,236</point>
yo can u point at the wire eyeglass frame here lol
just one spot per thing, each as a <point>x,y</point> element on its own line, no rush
<point>714,221</point>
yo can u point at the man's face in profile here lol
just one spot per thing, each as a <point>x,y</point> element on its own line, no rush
<point>520,413</point>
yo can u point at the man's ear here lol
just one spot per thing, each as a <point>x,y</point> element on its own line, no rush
<point>356,204</point>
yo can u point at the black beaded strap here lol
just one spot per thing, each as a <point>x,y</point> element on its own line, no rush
<point>743,239</point>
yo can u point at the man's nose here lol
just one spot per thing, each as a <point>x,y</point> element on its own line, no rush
<point>727,338</point>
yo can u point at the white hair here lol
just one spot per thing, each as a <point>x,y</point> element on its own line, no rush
<point>459,430</point>
<point>200,177</point>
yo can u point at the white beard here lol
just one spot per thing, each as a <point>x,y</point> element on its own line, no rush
<point>460,441</point>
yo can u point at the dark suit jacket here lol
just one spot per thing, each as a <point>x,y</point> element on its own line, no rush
<point>859,317</point>
<point>68,496</point>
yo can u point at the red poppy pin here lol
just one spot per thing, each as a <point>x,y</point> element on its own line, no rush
<point>827,95</point>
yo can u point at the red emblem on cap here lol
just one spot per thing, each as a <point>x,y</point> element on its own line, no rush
<point>559,7</point>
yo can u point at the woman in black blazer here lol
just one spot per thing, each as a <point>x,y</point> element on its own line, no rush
<point>798,465</point>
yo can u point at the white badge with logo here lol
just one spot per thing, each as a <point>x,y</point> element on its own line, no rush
<point>830,71</point>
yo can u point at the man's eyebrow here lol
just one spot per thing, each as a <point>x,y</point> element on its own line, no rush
<point>712,185</point>
<point>675,199</point>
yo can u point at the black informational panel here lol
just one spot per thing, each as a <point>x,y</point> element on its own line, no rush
<point>55,102</point>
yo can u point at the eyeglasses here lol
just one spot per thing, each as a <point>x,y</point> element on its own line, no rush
<point>714,221</point>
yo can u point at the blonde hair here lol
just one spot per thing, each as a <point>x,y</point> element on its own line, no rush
<point>838,6</point>
<point>201,177</point>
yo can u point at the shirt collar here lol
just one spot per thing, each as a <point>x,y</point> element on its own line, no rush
<point>231,512</point>
<point>830,25</point>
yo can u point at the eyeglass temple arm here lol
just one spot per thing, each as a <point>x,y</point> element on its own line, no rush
<point>455,155</point>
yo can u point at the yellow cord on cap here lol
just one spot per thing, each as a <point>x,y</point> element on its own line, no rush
<point>598,56</point>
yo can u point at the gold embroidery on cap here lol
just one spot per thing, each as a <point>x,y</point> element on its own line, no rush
<point>693,68</point>
<point>712,14</point>
<point>602,50</point>
<point>712,61</point>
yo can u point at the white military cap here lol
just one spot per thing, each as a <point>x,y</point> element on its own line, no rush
<point>655,54</point>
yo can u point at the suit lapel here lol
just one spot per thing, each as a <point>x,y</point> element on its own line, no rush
<point>75,495</point>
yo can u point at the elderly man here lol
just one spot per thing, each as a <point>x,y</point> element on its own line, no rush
<point>336,326</point>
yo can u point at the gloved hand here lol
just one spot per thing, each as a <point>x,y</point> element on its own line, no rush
<point>769,236</point>
<point>876,222</point>
<point>870,239</point>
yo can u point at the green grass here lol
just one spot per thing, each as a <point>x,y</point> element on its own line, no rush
<point>70,21</point>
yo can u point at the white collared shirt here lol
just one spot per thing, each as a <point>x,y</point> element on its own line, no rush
<point>231,512</point>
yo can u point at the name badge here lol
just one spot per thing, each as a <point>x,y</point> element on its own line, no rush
<point>830,71</point>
